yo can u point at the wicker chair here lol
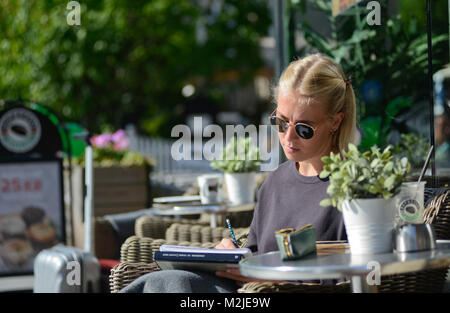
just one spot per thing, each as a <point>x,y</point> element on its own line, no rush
<point>290,287</point>
<point>124,273</point>
<point>137,252</point>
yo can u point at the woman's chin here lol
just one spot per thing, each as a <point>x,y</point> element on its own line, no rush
<point>293,156</point>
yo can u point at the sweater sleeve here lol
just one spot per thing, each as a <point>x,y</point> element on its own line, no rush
<point>252,241</point>
<point>252,237</point>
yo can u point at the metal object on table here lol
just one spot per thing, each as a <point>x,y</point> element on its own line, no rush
<point>176,199</point>
<point>204,208</point>
<point>214,210</point>
<point>414,237</point>
<point>179,211</point>
<point>269,266</point>
<point>187,210</point>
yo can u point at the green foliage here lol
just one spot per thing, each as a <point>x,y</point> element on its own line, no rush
<point>239,156</point>
<point>376,128</point>
<point>414,147</point>
<point>356,175</point>
<point>106,157</point>
<point>393,55</point>
<point>127,61</point>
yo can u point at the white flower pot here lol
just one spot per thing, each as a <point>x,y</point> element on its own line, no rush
<point>369,224</point>
<point>241,187</point>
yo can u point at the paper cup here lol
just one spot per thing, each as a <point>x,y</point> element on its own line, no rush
<point>210,188</point>
<point>411,203</point>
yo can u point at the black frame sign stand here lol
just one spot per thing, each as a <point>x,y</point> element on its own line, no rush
<point>31,189</point>
<point>431,94</point>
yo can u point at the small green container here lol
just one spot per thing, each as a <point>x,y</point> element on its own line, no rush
<point>294,244</point>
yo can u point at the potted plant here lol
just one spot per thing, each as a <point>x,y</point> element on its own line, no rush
<point>364,187</point>
<point>121,176</point>
<point>111,149</point>
<point>415,147</point>
<point>240,161</point>
<point>121,180</point>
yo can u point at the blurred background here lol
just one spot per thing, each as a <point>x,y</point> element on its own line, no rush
<point>129,71</point>
<point>147,66</point>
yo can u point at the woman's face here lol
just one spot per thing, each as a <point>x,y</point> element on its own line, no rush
<point>293,111</point>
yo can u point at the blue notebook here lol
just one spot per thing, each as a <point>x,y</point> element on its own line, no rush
<point>181,257</point>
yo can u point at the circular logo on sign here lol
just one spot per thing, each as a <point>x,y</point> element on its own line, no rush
<point>20,130</point>
<point>409,210</point>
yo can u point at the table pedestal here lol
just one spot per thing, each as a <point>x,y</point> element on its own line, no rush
<point>360,285</point>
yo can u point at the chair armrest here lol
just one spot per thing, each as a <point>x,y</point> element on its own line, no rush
<point>437,211</point>
<point>124,273</point>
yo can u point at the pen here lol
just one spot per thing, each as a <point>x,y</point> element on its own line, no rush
<point>232,233</point>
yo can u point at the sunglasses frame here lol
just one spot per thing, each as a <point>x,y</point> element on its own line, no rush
<point>274,115</point>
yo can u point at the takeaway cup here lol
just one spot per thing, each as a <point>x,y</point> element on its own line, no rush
<point>411,203</point>
<point>210,188</point>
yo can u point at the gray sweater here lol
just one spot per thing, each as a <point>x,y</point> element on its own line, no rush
<point>288,199</point>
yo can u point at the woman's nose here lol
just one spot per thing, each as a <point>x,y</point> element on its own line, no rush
<point>291,134</point>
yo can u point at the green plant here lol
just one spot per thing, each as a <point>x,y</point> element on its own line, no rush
<point>414,147</point>
<point>239,156</point>
<point>127,63</point>
<point>355,175</point>
<point>376,129</point>
<point>388,63</point>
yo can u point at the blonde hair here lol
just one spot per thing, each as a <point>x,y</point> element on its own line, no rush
<point>318,79</point>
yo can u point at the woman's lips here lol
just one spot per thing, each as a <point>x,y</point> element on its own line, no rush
<point>291,149</point>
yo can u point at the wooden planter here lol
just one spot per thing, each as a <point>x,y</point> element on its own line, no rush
<point>116,190</point>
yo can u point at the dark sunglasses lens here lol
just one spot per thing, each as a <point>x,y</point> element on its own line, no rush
<point>273,120</point>
<point>304,131</point>
<point>278,122</point>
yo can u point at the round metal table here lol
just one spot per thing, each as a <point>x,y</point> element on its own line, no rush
<point>180,211</point>
<point>213,210</point>
<point>344,265</point>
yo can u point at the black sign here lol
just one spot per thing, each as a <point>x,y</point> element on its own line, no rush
<point>31,188</point>
<point>25,132</point>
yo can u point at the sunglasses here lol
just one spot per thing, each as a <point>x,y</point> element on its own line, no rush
<point>304,131</point>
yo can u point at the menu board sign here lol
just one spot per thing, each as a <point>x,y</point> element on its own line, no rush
<point>31,212</point>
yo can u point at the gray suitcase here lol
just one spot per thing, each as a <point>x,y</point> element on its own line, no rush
<point>68,269</point>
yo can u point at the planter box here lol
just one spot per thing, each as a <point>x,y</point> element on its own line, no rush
<point>116,190</point>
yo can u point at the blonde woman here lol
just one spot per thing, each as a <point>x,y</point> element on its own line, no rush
<point>315,114</point>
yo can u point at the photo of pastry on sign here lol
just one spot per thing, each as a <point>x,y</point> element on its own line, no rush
<point>31,213</point>
<point>22,236</point>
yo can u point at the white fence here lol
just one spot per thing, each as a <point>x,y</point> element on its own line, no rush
<point>159,149</point>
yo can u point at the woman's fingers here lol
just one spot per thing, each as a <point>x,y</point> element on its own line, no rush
<point>225,244</point>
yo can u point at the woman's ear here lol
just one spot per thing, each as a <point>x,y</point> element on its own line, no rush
<point>337,120</point>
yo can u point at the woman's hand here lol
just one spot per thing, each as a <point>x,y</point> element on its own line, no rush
<point>225,244</point>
